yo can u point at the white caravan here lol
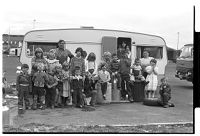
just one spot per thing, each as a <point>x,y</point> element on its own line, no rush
<point>97,41</point>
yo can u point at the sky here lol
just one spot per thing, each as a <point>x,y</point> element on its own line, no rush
<point>165,18</point>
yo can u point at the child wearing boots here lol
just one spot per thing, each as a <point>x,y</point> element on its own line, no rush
<point>165,93</point>
<point>39,79</point>
<point>23,86</point>
<point>104,77</point>
<point>77,88</point>
<point>66,95</point>
<point>152,71</point>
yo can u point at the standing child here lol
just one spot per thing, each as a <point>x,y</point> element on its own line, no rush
<point>59,77</point>
<point>165,93</point>
<point>66,84</point>
<point>104,79</point>
<point>91,78</point>
<point>114,68</point>
<point>77,88</point>
<point>51,91</point>
<point>152,71</point>
<point>40,78</point>
<point>78,61</point>
<point>23,86</point>
<point>124,68</point>
<point>38,58</point>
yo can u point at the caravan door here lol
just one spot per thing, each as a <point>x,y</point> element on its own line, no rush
<point>109,44</point>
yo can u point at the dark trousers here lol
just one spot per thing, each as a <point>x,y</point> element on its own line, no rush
<point>77,97</point>
<point>118,77</point>
<point>165,98</point>
<point>23,95</point>
<point>38,92</point>
<point>50,96</point>
<point>104,88</point>
<point>125,84</point>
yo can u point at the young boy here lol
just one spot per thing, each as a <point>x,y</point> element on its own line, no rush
<point>40,78</point>
<point>59,87</point>
<point>165,93</point>
<point>23,86</point>
<point>114,68</point>
<point>104,77</point>
<point>77,88</point>
<point>124,68</point>
<point>136,71</point>
<point>51,91</point>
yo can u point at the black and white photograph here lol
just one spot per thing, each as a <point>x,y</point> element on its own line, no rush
<point>98,66</point>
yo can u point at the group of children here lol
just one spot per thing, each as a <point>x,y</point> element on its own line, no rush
<point>55,85</point>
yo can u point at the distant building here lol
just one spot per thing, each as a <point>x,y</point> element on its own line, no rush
<point>171,54</point>
<point>11,41</point>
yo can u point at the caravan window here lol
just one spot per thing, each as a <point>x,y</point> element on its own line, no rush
<point>155,52</point>
<point>31,46</point>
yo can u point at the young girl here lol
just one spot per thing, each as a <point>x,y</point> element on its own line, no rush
<point>66,84</point>
<point>90,80</point>
<point>38,58</point>
<point>40,79</point>
<point>152,71</point>
<point>52,61</point>
<point>77,61</point>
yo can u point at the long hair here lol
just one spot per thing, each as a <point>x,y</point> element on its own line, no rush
<point>91,57</point>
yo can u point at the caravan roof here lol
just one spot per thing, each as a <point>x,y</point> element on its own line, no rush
<point>86,35</point>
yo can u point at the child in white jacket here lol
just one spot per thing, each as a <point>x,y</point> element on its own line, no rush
<point>152,71</point>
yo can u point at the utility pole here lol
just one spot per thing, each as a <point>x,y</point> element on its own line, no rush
<point>9,38</point>
<point>178,40</point>
<point>34,23</point>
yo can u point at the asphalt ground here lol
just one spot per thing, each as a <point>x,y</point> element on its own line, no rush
<point>121,114</point>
